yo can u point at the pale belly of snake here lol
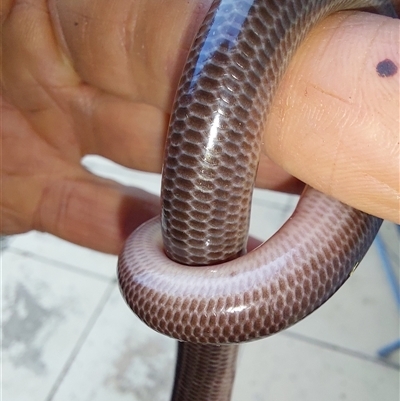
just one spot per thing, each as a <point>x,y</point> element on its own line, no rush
<point>185,274</point>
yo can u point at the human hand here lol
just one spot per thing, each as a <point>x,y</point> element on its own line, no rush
<point>99,78</point>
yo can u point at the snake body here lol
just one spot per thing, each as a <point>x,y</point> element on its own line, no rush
<point>212,153</point>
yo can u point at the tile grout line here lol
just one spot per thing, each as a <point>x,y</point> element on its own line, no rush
<point>81,340</point>
<point>56,263</point>
<point>342,350</point>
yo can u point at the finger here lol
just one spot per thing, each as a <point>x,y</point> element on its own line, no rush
<point>272,176</point>
<point>93,212</point>
<point>335,120</point>
<point>42,191</point>
<point>252,243</point>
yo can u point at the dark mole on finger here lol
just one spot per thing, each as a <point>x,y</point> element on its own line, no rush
<point>386,68</point>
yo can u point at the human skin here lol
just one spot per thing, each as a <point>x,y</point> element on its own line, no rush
<point>99,77</point>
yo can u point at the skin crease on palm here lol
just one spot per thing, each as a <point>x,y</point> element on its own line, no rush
<point>98,77</point>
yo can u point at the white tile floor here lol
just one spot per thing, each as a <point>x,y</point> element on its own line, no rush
<point>68,336</point>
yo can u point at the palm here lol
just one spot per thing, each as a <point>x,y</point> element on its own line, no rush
<point>59,104</point>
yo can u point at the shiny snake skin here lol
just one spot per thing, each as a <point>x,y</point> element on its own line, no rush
<point>212,152</point>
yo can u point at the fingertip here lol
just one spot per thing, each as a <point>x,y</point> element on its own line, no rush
<point>334,123</point>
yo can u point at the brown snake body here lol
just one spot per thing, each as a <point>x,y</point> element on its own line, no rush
<point>212,152</point>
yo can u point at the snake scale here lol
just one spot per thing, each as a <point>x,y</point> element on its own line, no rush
<point>190,279</point>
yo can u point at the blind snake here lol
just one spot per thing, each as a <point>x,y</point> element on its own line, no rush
<point>225,297</point>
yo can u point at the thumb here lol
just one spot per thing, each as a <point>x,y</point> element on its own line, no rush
<point>334,123</point>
